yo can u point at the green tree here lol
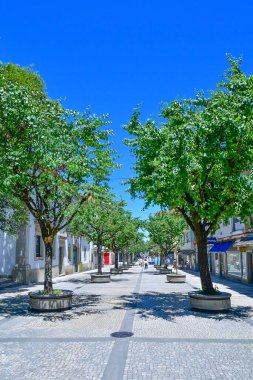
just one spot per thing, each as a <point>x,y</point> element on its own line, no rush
<point>199,160</point>
<point>166,231</point>
<point>13,214</point>
<point>153,249</point>
<point>52,159</point>
<point>106,223</point>
<point>121,230</point>
<point>94,221</point>
<point>137,245</point>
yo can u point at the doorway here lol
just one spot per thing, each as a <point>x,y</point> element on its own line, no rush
<point>106,258</point>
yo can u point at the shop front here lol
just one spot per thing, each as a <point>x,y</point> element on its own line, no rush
<point>241,262</point>
<point>233,260</point>
<point>186,259</point>
<point>218,258</point>
<point>239,265</point>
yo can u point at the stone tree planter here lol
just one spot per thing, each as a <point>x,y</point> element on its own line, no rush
<point>165,270</point>
<point>217,302</point>
<point>176,277</point>
<point>116,271</point>
<point>100,278</point>
<point>51,302</point>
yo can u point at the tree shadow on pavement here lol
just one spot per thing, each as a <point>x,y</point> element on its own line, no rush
<point>173,305</point>
<point>19,306</point>
<point>75,281</point>
<point>12,290</point>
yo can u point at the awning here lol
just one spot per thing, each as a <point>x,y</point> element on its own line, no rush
<point>222,247</point>
<point>248,240</point>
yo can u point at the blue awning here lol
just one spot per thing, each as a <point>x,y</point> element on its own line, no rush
<point>222,247</point>
<point>247,238</point>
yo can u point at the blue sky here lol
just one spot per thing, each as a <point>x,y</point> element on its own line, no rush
<point>113,55</point>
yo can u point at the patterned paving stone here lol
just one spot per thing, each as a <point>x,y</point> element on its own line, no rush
<point>170,340</point>
<point>188,361</point>
<point>54,361</point>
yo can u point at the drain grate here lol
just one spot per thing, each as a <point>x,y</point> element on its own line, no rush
<point>122,334</point>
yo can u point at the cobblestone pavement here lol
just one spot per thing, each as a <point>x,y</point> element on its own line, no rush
<point>170,341</point>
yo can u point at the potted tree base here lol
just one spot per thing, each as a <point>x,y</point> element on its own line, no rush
<point>100,278</point>
<point>221,301</point>
<point>176,277</point>
<point>56,301</point>
<point>124,267</point>
<point>116,270</point>
<point>165,270</point>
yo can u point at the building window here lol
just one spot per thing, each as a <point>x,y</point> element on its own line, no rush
<point>234,264</point>
<point>38,250</point>
<point>84,252</point>
<point>244,264</point>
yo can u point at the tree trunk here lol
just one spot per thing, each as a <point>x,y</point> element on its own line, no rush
<point>99,258</point>
<point>205,277</point>
<point>163,258</point>
<point>124,257</point>
<point>116,259</point>
<point>48,282</point>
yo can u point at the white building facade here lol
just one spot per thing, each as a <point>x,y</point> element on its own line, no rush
<point>23,257</point>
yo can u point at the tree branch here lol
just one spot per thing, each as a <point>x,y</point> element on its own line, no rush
<point>186,217</point>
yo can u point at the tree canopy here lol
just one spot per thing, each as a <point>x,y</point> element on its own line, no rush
<point>52,158</point>
<point>106,223</point>
<point>13,214</point>
<point>165,230</point>
<point>199,160</point>
<point>123,231</point>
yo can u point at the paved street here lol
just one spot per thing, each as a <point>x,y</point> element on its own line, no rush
<point>169,340</point>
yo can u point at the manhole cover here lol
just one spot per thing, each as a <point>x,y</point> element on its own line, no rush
<point>122,334</point>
